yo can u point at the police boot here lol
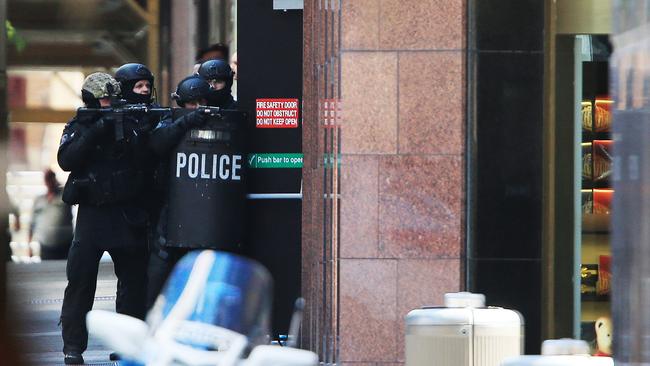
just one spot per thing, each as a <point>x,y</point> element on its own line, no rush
<point>73,358</point>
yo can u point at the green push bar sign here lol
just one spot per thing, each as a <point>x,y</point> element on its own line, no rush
<point>277,160</point>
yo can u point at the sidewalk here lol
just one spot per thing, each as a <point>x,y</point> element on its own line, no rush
<point>36,293</point>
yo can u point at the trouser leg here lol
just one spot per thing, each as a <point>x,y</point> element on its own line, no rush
<point>158,269</point>
<point>161,264</point>
<point>81,271</point>
<point>119,301</point>
<point>130,268</point>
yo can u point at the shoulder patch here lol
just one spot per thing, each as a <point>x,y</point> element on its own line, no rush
<point>66,138</point>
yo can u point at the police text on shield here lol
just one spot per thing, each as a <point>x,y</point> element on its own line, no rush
<point>208,166</point>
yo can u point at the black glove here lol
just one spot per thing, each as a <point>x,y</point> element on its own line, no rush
<point>148,122</point>
<point>194,119</point>
<point>101,126</point>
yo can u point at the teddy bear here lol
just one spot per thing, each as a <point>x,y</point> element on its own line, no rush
<point>603,328</point>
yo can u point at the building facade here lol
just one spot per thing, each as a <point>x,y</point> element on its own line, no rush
<point>448,146</point>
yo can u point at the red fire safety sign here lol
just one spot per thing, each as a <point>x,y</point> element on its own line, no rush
<point>276,113</point>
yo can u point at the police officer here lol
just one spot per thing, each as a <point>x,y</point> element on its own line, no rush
<point>137,85</point>
<point>220,76</point>
<point>136,82</point>
<point>190,93</point>
<point>107,180</point>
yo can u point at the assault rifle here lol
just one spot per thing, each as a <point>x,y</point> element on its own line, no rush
<point>119,109</point>
<point>142,112</point>
<point>210,111</point>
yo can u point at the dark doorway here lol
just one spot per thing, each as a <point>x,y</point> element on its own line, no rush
<point>270,67</point>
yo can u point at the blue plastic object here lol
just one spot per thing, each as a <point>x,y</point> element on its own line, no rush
<point>237,296</point>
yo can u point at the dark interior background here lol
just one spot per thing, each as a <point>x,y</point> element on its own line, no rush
<point>270,66</point>
<point>505,110</point>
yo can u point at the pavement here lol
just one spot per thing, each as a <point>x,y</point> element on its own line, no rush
<point>36,293</point>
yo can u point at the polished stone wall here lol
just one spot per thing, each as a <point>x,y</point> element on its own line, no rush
<point>384,173</point>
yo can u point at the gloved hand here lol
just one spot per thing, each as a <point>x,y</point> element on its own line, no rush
<point>148,122</point>
<point>101,126</point>
<point>194,119</point>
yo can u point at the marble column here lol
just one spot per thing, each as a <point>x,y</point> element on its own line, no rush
<point>384,195</point>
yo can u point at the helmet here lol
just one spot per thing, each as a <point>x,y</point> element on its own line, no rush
<point>221,71</point>
<point>96,86</point>
<point>216,70</point>
<point>128,75</point>
<point>133,72</point>
<point>191,88</point>
<point>101,85</point>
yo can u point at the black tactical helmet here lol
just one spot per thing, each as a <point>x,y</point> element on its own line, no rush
<point>133,72</point>
<point>128,75</point>
<point>191,88</point>
<point>216,70</point>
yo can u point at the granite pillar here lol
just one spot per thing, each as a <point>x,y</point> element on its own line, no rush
<point>384,172</point>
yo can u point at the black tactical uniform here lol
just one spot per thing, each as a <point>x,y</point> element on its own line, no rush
<point>167,135</point>
<point>171,129</point>
<point>163,139</point>
<point>110,172</point>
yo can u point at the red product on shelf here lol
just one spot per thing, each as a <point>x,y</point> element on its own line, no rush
<point>602,158</point>
<point>596,207</point>
<point>603,116</point>
<point>604,275</point>
<point>603,201</point>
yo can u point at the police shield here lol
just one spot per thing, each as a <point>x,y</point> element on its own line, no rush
<point>207,188</point>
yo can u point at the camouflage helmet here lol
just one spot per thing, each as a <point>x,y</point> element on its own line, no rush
<point>101,85</point>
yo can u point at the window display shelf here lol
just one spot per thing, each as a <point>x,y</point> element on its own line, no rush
<point>592,310</point>
<point>596,163</point>
<point>596,223</point>
<point>590,136</point>
<point>595,155</point>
